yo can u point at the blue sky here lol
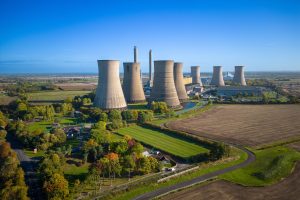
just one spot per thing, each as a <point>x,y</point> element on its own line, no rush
<point>69,36</point>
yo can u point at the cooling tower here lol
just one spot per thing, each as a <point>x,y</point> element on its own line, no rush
<point>163,84</point>
<point>109,94</point>
<point>195,72</point>
<point>217,78</point>
<point>178,80</point>
<point>132,84</point>
<point>239,76</point>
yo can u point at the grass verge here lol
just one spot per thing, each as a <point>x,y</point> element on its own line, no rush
<point>270,166</point>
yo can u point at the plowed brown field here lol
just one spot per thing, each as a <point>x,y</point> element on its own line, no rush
<point>249,125</point>
<point>288,189</point>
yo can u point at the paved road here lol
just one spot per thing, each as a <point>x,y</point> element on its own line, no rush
<point>29,166</point>
<point>161,191</point>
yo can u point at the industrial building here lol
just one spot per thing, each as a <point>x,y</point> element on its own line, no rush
<point>179,83</point>
<point>239,77</point>
<point>163,84</point>
<point>109,93</point>
<point>229,91</point>
<point>132,83</point>
<point>217,78</point>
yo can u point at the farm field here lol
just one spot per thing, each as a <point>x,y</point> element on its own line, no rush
<point>5,100</point>
<point>163,141</point>
<point>285,189</point>
<point>77,86</point>
<point>249,125</point>
<point>54,95</point>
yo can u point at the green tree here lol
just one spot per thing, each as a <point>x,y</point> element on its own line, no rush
<point>56,187</point>
<point>128,164</point>
<point>114,115</point>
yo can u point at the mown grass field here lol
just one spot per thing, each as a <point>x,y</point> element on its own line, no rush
<point>46,125</point>
<point>55,95</point>
<point>270,166</point>
<point>164,142</point>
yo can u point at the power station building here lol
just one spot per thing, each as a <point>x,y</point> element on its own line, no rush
<point>179,83</point>
<point>132,83</point>
<point>217,78</point>
<point>109,94</point>
<point>163,84</point>
<point>239,77</point>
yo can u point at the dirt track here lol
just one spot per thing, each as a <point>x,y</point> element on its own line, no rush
<point>248,125</point>
<point>288,189</point>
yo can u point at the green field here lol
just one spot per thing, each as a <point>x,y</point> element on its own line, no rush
<point>270,166</point>
<point>46,125</point>
<point>54,95</point>
<point>163,141</point>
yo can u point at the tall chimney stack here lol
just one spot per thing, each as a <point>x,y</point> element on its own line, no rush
<point>135,54</point>
<point>217,78</point>
<point>239,76</point>
<point>150,67</point>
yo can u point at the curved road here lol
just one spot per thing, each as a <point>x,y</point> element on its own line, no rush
<point>161,191</point>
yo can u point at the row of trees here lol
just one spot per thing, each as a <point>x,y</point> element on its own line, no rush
<point>3,123</point>
<point>115,119</point>
<point>12,183</point>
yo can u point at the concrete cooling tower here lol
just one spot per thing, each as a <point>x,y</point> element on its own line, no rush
<point>109,94</point>
<point>163,84</point>
<point>239,76</point>
<point>195,72</point>
<point>217,78</point>
<point>178,80</point>
<point>132,84</point>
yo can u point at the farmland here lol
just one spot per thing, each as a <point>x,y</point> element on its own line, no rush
<point>249,125</point>
<point>163,141</point>
<point>286,189</point>
<point>54,95</point>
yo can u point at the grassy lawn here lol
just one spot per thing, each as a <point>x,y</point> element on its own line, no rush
<point>138,106</point>
<point>54,95</point>
<point>163,141</point>
<point>205,168</point>
<point>270,166</point>
<point>73,172</point>
<point>46,125</point>
<point>30,153</point>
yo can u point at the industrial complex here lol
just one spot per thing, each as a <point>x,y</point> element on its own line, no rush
<point>167,84</point>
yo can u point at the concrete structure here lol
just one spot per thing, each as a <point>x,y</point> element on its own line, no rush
<point>132,83</point>
<point>229,91</point>
<point>179,83</point>
<point>135,54</point>
<point>109,94</point>
<point>195,72</point>
<point>150,69</point>
<point>217,78</point>
<point>239,77</point>
<point>163,84</point>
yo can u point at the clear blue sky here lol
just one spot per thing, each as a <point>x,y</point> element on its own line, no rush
<point>69,36</point>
